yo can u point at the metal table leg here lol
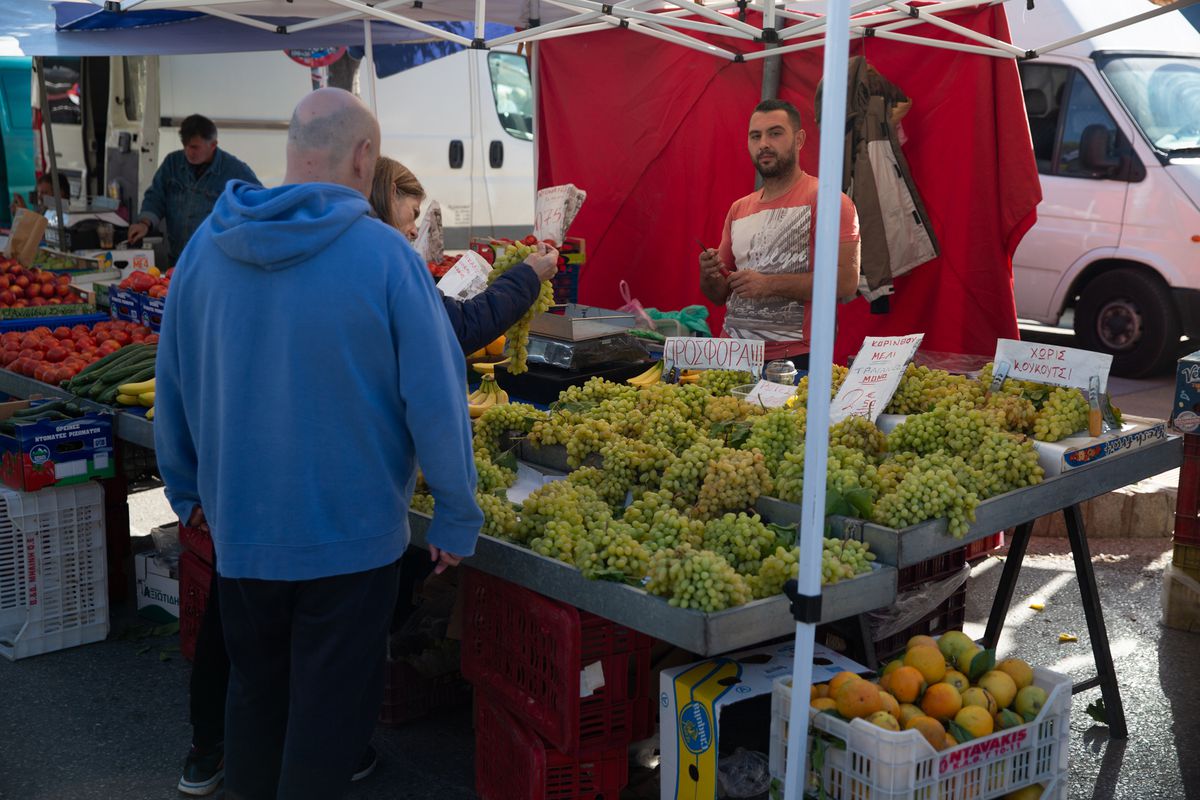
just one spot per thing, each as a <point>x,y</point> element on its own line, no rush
<point>1106,675</point>
<point>1008,583</point>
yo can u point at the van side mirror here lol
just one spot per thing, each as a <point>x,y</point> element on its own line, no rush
<point>1093,152</point>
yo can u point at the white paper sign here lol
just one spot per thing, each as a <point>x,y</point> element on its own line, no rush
<point>874,376</point>
<point>467,278</point>
<point>693,352</point>
<point>430,243</point>
<point>769,394</point>
<point>1053,365</point>
<point>555,210</point>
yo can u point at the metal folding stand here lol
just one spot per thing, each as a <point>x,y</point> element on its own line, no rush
<point>1106,676</point>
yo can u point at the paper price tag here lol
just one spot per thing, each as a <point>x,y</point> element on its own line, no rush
<point>693,352</point>
<point>555,210</point>
<point>1053,365</point>
<point>874,376</point>
<point>769,394</point>
<point>467,278</point>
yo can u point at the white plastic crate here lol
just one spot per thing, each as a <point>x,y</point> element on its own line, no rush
<point>53,574</point>
<point>884,765</point>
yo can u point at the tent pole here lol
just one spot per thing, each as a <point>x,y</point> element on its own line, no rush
<point>820,379</point>
<point>369,57</point>
<point>52,156</point>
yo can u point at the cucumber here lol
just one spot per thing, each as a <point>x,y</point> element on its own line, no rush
<point>35,411</point>
<point>96,367</point>
<point>119,374</point>
<point>109,395</point>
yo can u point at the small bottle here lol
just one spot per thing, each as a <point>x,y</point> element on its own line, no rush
<point>781,372</point>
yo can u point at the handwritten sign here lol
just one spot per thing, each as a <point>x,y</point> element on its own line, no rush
<point>467,278</point>
<point>430,243</point>
<point>692,352</point>
<point>555,210</point>
<point>769,394</point>
<point>1053,365</point>
<point>874,376</point>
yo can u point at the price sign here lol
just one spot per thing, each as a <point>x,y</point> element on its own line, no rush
<point>467,278</point>
<point>555,210</point>
<point>1053,365</point>
<point>692,352</point>
<point>430,243</point>
<point>874,376</point>
<point>769,394</point>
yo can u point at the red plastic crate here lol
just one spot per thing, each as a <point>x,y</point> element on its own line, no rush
<point>1187,500</point>
<point>196,541</point>
<point>527,651</point>
<point>979,549</point>
<point>514,763</point>
<point>409,695</point>
<point>195,580</point>
<point>933,569</point>
<point>948,616</point>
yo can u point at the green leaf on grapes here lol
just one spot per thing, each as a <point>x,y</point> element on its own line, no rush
<point>836,505</point>
<point>508,460</point>
<point>785,535</point>
<point>860,500</point>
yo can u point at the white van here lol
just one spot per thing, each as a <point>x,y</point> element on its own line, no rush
<point>1115,123</point>
<point>463,123</point>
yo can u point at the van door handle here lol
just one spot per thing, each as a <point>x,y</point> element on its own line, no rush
<point>496,154</point>
<point>457,152</point>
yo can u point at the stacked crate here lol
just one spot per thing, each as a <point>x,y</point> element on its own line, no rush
<point>1181,587</point>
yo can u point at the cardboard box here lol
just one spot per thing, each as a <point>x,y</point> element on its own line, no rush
<point>56,452</point>
<point>152,311</point>
<point>693,697</point>
<point>157,587</point>
<point>125,304</point>
<point>1185,411</point>
<point>125,261</point>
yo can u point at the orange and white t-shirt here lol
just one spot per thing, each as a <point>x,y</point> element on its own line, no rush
<point>775,237</point>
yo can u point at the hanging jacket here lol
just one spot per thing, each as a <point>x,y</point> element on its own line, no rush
<point>897,235</point>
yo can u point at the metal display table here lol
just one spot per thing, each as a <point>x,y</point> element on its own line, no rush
<point>132,428</point>
<point>706,634</point>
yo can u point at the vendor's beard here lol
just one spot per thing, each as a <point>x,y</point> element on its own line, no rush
<point>784,165</point>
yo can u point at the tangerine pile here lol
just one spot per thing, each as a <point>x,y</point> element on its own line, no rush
<point>949,690</point>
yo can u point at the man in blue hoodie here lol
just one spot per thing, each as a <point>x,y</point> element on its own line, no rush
<point>305,364</point>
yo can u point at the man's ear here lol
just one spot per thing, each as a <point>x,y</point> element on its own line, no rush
<point>801,137</point>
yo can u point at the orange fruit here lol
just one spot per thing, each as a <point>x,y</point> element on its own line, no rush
<point>822,689</point>
<point>929,660</point>
<point>976,721</point>
<point>882,719</point>
<point>941,701</point>
<point>976,696</point>
<point>1007,719</point>
<point>839,680</point>
<point>893,666</point>
<point>1018,670</point>
<point>930,728</point>
<point>950,742</point>
<point>1001,685</point>
<point>906,684</point>
<point>907,713</point>
<point>957,680</point>
<point>921,641</point>
<point>858,699</point>
<point>890,705</point>
<point>824,704</point>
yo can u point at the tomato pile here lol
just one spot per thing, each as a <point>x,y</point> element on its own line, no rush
<point>440,269</point>
<point>58,354</point>
<point>24,288</point>
<point>151,282</point>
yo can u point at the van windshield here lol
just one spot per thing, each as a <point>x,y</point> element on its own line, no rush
<point>1163,96</point>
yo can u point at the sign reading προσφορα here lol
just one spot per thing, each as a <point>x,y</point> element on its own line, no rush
<point>694,352</point>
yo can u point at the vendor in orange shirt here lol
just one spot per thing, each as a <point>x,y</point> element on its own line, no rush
<point>762,273</point>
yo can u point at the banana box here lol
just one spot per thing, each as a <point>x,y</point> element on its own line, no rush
<point>694,697</point>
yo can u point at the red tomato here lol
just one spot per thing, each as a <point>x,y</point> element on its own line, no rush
<point>151,338</point>
<point>38,301</point>
<point>62,332</point>
<point>109,346</point>
<point>122,337</point>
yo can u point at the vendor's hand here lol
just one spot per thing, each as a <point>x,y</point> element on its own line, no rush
<point>544,261</point>
<point>710,265</point>
<point>137,232</point>
<point>18,202</point>
<point>444,559</point>
<point>750,285</point>
<point>198,520</point>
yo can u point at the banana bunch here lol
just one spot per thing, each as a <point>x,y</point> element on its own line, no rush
<point>487,395</point>
<point>137,394</point>
<point>647,378</point>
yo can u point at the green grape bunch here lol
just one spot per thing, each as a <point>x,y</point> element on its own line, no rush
<point>497,425</point>
<point>1065,412</point>
<point>696,579</point>
<point>517,342</point>
<point>720,381</point>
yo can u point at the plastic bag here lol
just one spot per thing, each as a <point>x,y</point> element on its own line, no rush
<point>958,363</point>
<point>744,774</point>
<point>634,307</point>
<point>694,318</point>
<point>911,606</point>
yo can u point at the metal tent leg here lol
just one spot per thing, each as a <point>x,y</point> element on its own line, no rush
<point>1106,675</point>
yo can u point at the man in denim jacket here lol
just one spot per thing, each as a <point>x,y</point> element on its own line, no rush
<point>187,184</point>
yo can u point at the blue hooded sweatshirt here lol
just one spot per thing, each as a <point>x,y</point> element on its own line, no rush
<point>305,364</point>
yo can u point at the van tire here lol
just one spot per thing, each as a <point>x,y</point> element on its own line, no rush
<point>1129,313</point>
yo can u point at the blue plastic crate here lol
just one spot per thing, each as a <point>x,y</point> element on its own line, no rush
<point>29,323</point>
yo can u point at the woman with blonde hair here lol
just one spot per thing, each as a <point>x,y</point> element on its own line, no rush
<point>396,197</point>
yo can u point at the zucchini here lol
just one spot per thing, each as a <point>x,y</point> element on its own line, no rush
<point>121,374</point>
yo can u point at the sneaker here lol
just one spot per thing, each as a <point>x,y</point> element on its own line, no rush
<point>366,764</point>
<point>203,771</point>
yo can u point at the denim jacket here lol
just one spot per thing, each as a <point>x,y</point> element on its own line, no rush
<point>184,200</point>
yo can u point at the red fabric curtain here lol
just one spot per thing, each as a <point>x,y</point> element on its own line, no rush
<point>656,135</point>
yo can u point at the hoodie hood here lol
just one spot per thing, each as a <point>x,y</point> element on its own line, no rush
<point>278,228</point>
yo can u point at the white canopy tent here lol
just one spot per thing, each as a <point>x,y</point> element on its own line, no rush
<point>782,28</point>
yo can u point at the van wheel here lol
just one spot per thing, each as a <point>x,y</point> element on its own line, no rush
<point>1129,313</point>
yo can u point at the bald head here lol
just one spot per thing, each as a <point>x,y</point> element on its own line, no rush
<point>333,138</point>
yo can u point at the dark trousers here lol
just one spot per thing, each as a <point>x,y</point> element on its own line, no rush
<point>210,675</point>
<point>305,682</point>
